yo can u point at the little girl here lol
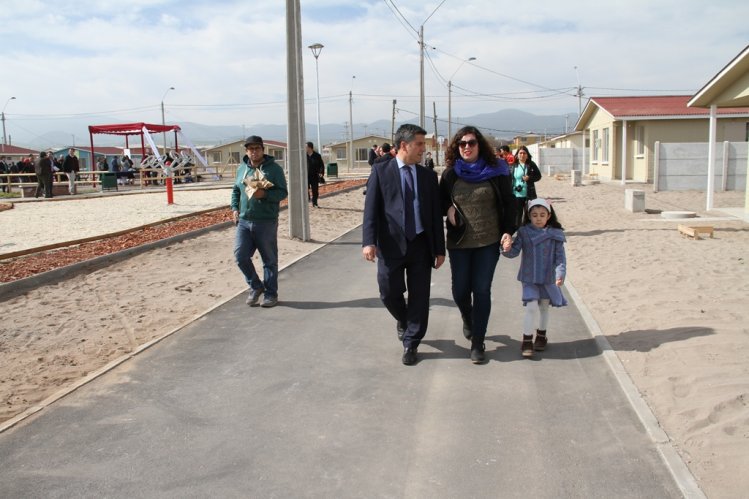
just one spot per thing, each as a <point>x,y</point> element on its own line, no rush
<point>542,269</point>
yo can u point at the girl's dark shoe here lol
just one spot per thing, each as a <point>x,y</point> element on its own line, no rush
<point>477,354</point>
<point>527,346</point>
<point>540,344</point>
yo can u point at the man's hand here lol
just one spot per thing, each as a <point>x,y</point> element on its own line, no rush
<point>438,261</point>
<point>235,216</point>
<point>369,253</point>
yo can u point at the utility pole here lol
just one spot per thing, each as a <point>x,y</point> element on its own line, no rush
<point>351,134</point>
<point>421,76</point>
<point>392,126</point>
<point>296,155</point>
<point>436,138</point>
<point>579,95</point>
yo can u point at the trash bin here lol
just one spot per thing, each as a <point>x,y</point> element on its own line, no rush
<point>332,169</point>
<point>108,181</point>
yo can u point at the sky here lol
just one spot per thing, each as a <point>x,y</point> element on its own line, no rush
<point>106,61</point>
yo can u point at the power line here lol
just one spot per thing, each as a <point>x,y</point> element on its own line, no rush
<point>400,17</point>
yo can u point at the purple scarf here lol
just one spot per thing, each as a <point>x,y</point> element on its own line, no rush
<point>480,171</point>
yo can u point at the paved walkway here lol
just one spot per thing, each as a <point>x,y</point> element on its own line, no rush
<point>310,399</point>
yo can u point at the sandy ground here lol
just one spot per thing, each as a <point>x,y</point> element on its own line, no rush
<point>675,310</point>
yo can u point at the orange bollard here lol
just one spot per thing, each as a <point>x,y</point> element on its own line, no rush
<point>169,191</point>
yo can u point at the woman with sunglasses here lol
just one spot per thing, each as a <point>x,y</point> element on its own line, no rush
<point>525,174</point>
<point>476,195</point>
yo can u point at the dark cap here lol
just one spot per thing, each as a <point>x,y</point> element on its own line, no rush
<point>253,140</point>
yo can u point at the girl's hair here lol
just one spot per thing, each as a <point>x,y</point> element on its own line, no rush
<point>485,150</point>
<point>523,148</point>
<point>551,222</point>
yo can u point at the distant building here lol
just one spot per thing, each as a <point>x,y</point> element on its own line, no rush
<point>16,153</point>
<point>338,152</point>
<point>233,152</point>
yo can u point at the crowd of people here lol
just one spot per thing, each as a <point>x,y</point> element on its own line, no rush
<point>46,169</point>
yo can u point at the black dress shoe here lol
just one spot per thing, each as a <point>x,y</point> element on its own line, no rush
<point>477,354</point>
<point>401,328</point>
<point>409,356</point>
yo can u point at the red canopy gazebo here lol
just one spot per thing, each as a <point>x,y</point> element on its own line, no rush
<point>128,129</point>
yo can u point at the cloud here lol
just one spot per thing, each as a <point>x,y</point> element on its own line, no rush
<point>227,58</point>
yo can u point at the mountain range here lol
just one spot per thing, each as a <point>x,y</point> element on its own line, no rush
<point>504,124</point>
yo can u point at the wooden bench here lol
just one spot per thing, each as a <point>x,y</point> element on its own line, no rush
<point>694,232</point>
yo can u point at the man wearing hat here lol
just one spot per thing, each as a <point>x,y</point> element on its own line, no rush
<point>259,188</point>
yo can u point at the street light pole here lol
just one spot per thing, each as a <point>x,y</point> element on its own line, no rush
<point>5,137</point>
<point>450,98</point>
<point>316,49</point>
<point>351,122</point>
<point>163,121</point>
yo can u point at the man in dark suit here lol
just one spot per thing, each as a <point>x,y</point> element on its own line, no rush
<point>315,171</point>
<point>403,229</point>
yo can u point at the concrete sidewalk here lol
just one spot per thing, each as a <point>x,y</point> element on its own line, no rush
<point>310,399</point>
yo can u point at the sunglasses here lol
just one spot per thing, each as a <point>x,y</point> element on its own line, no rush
<point>467,143</point>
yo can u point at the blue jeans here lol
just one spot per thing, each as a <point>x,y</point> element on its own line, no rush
<point>472,271</point>
<point>263,237</point>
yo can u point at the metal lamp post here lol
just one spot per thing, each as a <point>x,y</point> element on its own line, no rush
<point>316,49</point>
<point>450,98</point>
<point>163,121</point>
<point>5,138</point>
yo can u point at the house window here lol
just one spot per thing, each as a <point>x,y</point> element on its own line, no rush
<point>746,137</point>
<point>340,153</point>
<point>216,157</point>
<point>278,154</point>
<point>235,158</point>
<point>640,140</point>
<point>605,146</point>
<point>596,145</point>
<point>362,154</point>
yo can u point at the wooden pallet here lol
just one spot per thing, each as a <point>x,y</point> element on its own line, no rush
<point>695,232</point>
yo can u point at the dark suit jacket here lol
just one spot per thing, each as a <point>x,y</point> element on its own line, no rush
<point>383,211</point>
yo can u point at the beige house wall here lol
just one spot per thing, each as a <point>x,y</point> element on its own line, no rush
<point>226,157</point>
<point>639,167</point>
<point>339,153</point>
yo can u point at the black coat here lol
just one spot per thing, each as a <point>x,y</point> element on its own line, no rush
<point>384,211</point>
<point>315,167</point>
<point>506,208</point>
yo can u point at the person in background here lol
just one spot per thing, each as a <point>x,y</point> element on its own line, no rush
<point>403,231</point>
<point>385,153</point>
<point>503,152</point>
<point>373,154</point>
<point>43,170</point>
<point>256,218</point>
<point>71,167</point>
<point>543,267</point>
<point>525,174</point>
<point>476,197</point>
<point>315,171</point>
<point>428,161</point>
<point>127,167</point>
<point>4,170</point>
